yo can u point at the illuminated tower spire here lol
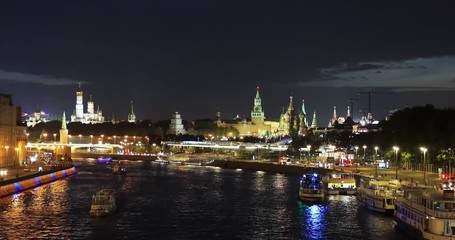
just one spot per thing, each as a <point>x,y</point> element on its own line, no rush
<point>64,131</point>
<point>334,116</point>
<point>302,117</point>
<point>257,114</point>
<point>314,124</point>
<point>131,115</point>
<point>349,112</point>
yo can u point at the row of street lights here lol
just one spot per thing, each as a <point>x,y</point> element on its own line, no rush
<point>395,149</point>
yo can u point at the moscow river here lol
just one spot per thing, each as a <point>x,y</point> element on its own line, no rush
<point>185,202</point>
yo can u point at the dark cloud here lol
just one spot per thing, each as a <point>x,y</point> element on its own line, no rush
<point>199,55</point>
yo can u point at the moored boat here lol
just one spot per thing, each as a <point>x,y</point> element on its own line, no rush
<point>103,203</point>
<point>426,213</point>
<point>311,187</point>
<point>119,168</point>
<point>378,196</point>
<point>339,183</point>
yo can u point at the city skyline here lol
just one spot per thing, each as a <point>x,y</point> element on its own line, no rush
<point>200,56</point>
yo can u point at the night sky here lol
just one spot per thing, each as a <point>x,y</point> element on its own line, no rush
<point>196,56</point>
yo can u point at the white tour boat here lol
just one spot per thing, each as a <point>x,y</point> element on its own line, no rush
<point>103,202</point>
<point>426,213</point>
<point>339,183</point>
<point>378,196</point>
<point>311,187</point>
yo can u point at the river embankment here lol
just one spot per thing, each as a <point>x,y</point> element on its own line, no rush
<point>268,167</point>
<point>19,184</point>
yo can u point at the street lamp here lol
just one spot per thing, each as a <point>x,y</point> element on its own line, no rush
<point>17,160</point>
<point>356,157</point>
<point>375,163</point>
<point>27,134</point>
<point>309,152</point>
<point>102,138</point>
<point>91,139</point>
<point>45,137</point>
<point>80,138</point>
<point>364,151</point>
<point>115,138</point>
<point>55,136</point>
<point>424,150</point>
<point>395,148</point>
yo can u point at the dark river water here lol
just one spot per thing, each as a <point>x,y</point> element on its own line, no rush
<point>185,202</point>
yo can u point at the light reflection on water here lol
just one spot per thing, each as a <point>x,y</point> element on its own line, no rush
<point>185,202</point>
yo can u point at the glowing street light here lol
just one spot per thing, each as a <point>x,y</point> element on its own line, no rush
<point>91,139</point>
<point>55,136</point>
<point>356,157</point>
<point>424,150</point>
<point>17,160</point>
<point>45,137</point>
<point>364,151</point>
<point>375,163</point>
<point>27,134</point>
<point>395,148</point>
<point>80,138</point>
<point>102,138</point>
<point>115,137</point>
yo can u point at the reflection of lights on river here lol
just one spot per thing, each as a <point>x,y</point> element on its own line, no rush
<point>313,216</point>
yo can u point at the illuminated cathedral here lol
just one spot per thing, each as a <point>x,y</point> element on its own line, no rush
<point>91,116</point>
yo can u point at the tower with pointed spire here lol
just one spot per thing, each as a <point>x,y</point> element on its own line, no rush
<point>314,123</point>
<point>334,116</point>
<point>64,131</point>
<point>131,115</point>
<point>257,114</point>
<point>303,124</point>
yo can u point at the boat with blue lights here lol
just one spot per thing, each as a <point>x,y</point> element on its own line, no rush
<point>339,183</point>
<point>426,213</point>
<point>311,187</point>
<point>104,159</point>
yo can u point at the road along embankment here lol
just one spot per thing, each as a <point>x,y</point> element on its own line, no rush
<point>268,167</point>
<point>16,185</point>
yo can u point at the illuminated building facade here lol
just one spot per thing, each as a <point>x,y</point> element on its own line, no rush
<point>131,115</point>
<point>176,126</point>
<point>91,116</point>
<point>12,137</point>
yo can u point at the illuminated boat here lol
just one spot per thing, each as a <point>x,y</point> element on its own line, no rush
<point>103,203</point>
<point>378,196</point>
<point>311,188</point>
<point>104,159</point>
<point>426,213</point>
<point>119,168</point>
<point>339,183</point>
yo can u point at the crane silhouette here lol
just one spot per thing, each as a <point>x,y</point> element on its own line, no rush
<point>351,104</point>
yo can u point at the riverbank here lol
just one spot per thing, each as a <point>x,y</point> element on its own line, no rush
<point>267,167</point>
<point>32,180</point>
